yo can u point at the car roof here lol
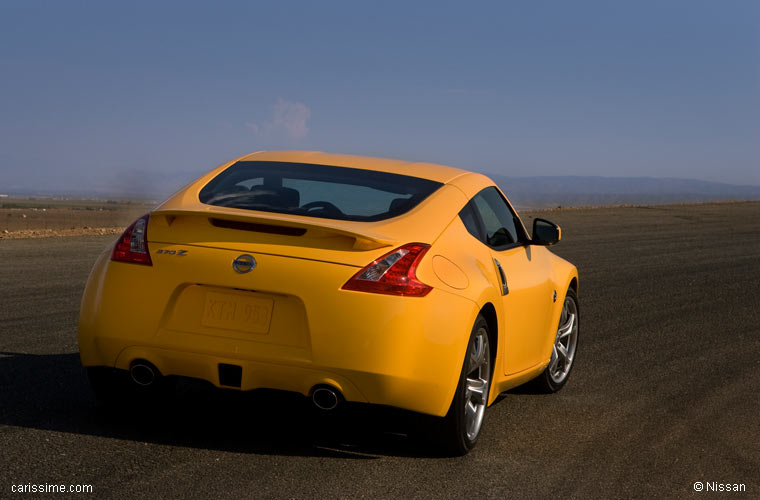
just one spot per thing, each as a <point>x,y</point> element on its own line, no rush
<point>432,171</point>
<point>433,214</point>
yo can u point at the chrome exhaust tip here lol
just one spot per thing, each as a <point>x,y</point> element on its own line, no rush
<point>143,373</point>
<point>326,397</point>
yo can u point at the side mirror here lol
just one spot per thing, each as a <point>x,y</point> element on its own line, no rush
<point>545,233</point>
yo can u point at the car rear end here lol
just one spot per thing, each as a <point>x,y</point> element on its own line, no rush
<point>234,282</point>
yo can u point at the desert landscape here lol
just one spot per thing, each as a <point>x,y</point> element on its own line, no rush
<point>632,125</point>
<point>36,217</point>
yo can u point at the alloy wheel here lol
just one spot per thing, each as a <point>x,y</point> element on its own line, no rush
<point>565,342</point>
<point>477,381</point>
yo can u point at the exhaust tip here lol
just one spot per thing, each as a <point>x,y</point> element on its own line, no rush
<point>326,397</point>
<point>143,373</point>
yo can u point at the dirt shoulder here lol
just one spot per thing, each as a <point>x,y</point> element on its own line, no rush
<point>20,224</point>
<point>51,233</point>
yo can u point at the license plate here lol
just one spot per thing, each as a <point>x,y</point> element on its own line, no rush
<point>237,312</point>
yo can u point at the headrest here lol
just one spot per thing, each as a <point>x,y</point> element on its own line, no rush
<point>276,197</point>
<point>398,205</point>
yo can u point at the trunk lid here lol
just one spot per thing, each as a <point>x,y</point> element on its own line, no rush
<point>184,221</point>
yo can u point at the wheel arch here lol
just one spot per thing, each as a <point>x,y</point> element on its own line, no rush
<point>570,281</point>
<point>574,284</point>
<point>488,311</point>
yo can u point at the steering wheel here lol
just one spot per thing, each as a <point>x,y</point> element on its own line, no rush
<point>322,205</point>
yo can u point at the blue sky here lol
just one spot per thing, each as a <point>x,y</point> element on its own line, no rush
<point>95,95</point>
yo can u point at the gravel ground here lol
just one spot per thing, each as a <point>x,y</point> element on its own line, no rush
<point>663,394</point>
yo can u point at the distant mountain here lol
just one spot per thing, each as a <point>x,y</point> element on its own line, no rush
<point>545,192</point>
<point>129,184</point>
<point>524,192</point>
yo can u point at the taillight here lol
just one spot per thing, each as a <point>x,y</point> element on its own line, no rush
<point>393,274</point>
<point>132,246</point>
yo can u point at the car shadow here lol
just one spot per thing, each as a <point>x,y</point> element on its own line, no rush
<point>51,392</point>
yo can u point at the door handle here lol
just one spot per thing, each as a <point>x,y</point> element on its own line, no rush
<point>504,287</point>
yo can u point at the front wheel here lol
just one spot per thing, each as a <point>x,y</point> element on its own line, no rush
<point>554,377</point>
<point>462,424</point>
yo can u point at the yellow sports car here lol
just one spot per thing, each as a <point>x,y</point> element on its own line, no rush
<point>342,278</point>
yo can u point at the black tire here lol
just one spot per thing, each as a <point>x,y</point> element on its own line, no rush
<point>458,431</point>
<point>554,377</point>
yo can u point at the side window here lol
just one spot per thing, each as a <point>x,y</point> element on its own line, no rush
<point>470,222</point>
<point>497,218</point>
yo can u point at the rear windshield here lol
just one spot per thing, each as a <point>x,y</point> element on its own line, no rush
<point>316,190</point>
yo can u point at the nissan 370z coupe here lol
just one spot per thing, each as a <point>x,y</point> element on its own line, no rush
<point>341,278</point>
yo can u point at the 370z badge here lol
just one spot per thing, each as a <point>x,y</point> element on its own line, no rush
<point>178,253</point>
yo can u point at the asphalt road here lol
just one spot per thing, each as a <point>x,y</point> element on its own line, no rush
<point>664,392</point>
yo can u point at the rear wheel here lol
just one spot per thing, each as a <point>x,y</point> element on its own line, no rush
<point>462,424</point>
<point>564,349</point>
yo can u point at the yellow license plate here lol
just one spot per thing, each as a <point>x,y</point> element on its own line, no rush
<point>237,312</point>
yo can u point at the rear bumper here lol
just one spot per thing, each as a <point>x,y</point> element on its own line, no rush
<point>396,351</point>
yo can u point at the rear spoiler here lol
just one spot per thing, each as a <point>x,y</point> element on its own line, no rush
<point>363,240</point>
